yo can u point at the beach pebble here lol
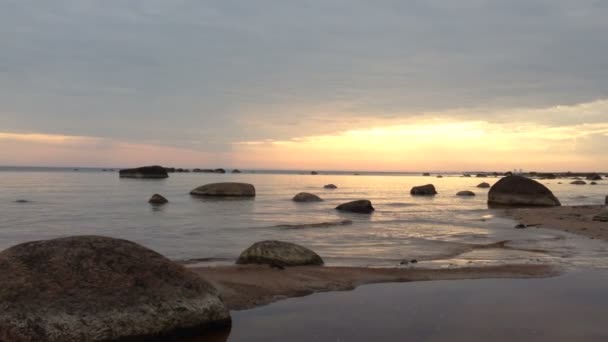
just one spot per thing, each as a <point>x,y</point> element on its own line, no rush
<point>360,207</point>
<point>93,288</point>
<point>281,253</point>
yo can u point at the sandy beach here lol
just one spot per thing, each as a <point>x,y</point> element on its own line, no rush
<point>248,286</point>
<point>244,287</point>
<point>572,219</point>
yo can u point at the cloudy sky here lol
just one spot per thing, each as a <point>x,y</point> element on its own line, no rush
<point>324,84</point>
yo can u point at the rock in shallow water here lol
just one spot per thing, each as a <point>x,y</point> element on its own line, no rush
<point>578,182</point>
<point>359,206</point>
<point>521,191</point>
<point>153,172</point>
<point>465,193</point>
<point>158,199</point>
<point>225,189</point>
<point>424,190</point>
<point>306,197</point>
<point>330,186</point>
<point>93,288</point>
<point>483,185</point>
<point>279,253</point>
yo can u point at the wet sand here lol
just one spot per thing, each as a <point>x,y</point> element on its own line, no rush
<point>248,286</point>
<point>572,219</point>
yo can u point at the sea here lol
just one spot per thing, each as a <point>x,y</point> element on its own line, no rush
<point>438,231</point>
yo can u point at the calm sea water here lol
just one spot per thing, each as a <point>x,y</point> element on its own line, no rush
<point>434,230</point>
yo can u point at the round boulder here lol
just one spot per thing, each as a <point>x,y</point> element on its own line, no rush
<point>279,253</point>
<point>93,288</point>
<point>330,186</point>
<point>306,197</point>
<point>225,189</point>
<point>424,190</point>
<point>158,199</point>
<point>360,207</point>
<point>520,191</point>
<point>465,193</point>
<point>483,185</point>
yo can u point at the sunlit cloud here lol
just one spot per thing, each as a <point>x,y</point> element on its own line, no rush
<point>452,141</point>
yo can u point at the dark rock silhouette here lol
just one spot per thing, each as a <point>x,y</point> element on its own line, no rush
<point>520,191</point>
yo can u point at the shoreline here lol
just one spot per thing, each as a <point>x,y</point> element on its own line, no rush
<point>248,286</point>
<point>571,219</point>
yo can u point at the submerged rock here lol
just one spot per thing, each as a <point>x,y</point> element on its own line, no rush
<point>236,171</point>
<point>158,199</point>
<point>465,193</point>
<point>483,185</point>
<point>279,253</point>
<point>225,189</point>
<point>153,172</point>
<point>520,191</point>
<point>314,173</point>
<point>424,190</point>
<point>426,174</point>
<point>360,207</point>
<point>578,182</point>
<point>330,186</point>
<point>306,197</point>
<point>93,288</point>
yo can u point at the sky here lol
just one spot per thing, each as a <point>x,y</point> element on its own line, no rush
<point>384,85</point>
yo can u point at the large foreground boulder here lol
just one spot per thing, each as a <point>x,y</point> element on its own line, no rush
<point>225,189</point>
<point>93,288</point>
<point>306,197</point>
<point>520,191</point>
<point>424,190</point>
<point>279,253</point>
<point>359,206</point>
<point>152,172</point>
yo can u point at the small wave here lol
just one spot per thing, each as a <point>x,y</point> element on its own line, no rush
<point>315,225</point>
<point>400,205</point>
